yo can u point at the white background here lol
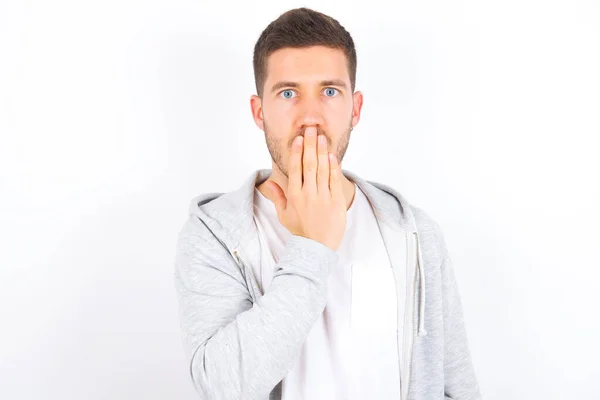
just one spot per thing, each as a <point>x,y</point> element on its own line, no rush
<point>114,114</point>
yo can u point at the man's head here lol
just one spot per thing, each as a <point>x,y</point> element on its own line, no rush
<point>305,74</point>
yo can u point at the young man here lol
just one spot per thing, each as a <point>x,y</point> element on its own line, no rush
<point>308,282</point>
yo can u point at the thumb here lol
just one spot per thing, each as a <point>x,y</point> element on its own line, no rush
<point>278,196</point>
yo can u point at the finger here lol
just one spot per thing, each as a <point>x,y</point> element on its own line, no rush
<point>335,178</point>
<point>323,165</point>
<point>278,197</point>
<point>309,160</point>
<point>295,166</point>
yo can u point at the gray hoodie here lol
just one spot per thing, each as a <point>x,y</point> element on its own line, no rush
<point>241,341</point>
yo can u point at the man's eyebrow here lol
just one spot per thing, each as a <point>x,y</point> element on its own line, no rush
<point>330,82</point>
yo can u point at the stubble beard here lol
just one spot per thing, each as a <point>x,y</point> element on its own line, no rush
<point>274,145</point>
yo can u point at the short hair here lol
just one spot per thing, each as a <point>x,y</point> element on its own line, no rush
<point>297,28</point>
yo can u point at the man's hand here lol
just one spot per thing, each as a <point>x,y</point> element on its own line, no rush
<point>315,208</point>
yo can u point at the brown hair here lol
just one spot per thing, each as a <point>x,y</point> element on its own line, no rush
<point>301,27</point>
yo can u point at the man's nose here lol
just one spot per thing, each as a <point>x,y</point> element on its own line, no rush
<point>310,112</point>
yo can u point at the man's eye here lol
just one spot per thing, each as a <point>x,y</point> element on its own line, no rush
<point>287,93</point>
<point>330,92</point>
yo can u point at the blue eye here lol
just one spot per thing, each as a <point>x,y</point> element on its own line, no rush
<point>330,91</point>
<point>286,92</point>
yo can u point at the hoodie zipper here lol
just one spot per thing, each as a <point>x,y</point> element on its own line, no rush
<point>249,281</point>
<point>413,330</point>
<point>239,262</point>
<point>412,344</point>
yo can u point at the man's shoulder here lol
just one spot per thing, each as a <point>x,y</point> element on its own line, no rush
<point>423,219</point>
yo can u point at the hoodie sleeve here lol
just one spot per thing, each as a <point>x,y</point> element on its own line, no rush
<point>237,349</point>
<point>460,382</point>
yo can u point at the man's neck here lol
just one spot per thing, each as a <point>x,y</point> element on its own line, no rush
<point>348,187</point>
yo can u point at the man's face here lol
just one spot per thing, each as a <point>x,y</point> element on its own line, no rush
<point>306,87</point>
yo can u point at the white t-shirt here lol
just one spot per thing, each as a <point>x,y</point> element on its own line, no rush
<point>352,351</point>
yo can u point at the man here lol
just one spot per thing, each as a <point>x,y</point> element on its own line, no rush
<point>309,282</point>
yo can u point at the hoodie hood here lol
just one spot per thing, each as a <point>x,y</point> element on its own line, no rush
<point>229,217</point>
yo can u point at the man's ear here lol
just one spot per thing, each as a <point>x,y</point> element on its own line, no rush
<point>357,103</point>
<point>257,111</point>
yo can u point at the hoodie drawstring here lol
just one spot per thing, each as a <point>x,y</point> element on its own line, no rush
<point>422,331</point>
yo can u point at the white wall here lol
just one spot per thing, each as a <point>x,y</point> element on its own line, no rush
<point>114,114</point>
